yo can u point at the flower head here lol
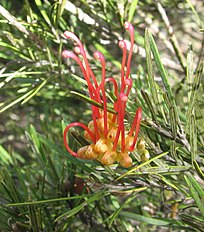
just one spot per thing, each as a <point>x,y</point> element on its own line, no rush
<point>109,140</point>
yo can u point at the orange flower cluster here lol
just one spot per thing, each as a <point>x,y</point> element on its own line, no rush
<point>109,141</point>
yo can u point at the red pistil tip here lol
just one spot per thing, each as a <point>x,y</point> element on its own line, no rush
<point>128,26</point>
<point>122,44</point>
<point>66,54</point>
<point>71,35</point>
<point>123,97</point>
<point>77,50</point>
<point>68,34</point>
<point>128,82</point>
<point>99,56</point>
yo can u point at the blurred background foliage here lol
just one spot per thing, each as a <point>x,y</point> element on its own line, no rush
<point>42,187</point>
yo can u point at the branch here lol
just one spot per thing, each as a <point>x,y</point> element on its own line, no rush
<point>173,38</point>
<point>180,138</point>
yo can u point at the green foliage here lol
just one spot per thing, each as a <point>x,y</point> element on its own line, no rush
<point>42,187</point>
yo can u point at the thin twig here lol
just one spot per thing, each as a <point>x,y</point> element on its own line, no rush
<point>179,139</point>
<point>173,38</point>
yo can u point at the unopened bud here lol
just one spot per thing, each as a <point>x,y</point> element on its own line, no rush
<point>145,156</point>
<point>141,145</point>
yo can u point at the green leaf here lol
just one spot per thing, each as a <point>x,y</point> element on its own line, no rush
<point>198,169</point>
<point>193,221</point>
<point>72,212</point>
<point>191,125</point>
<point>174,119</point>
<point>161,69</point>
<point>152,84</point>
<point>14,102</point>
<point>132,9</point>
<point>5,157</point>
<point>199,21</point>
<point>35,91</point>
<point>197,192</point>
<point>48,201</point>
<point>115,214</point>
<point>148,220</point>
<point>149,103</point>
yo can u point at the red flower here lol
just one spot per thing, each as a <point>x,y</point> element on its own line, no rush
<point>109,141</point>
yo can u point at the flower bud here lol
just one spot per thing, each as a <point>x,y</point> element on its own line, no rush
<point>145,155</point>
<point>102,145</point>
<point>124,159</point>
<point>109,157</point>
<point>141,145</point>
<point>81,152</point>
<point>112,133</point>
<point>91,153</point>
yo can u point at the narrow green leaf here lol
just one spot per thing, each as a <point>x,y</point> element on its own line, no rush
<point>35,91</point>
<point>17,50</point>
<point>148,220</point>
<point>32,135</point>
<point>115,214</point>
<point>198,169</point>
<point>189,72</point>
<point>28,203</point>
<point>77,209</point>
<point>5,157</point>
<point>174,118</point>
<point>194,86</point>
<point>149,103</point>
<point>42,11</point>
<point>194,11</point>
<point>151,82</point>
<point>193,221</point>
<point>16,101</point>
<point>161,70</point>
<point>197,192</point>
<point>191,125</point>
<point>193,136</point>
<point>167,170</point>
<point>200,121</point>
<point>169,183</point>
<point>34,219</point>
<point>9,187</point>
<point>132,9</point>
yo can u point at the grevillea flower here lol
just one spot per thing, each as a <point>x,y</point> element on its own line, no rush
<point>109,140</point>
